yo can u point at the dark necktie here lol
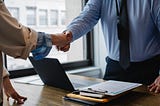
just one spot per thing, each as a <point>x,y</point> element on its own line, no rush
<point>123,34</point>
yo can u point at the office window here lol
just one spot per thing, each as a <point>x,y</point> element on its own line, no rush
<point>54,17</point>
<point>14,12</point>
<point>31,15</point>
<point>63,17</point>
<point>55,12</point>
<point>43,18</point>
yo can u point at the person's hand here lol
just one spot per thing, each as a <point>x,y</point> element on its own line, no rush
<point>10,92</point>
<point>61,39</point>
<point>69,37</point>
<point>64,49</point>
<point>155,86</point>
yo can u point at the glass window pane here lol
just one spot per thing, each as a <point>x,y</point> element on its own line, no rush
<point>14,12</point>
<point>31,16</point>
<point>54,17</point>
<point>58,13</point>
<point>43,18</point>
<point>63,14</point>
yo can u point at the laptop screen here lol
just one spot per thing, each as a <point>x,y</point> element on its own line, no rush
<point>52,73</point>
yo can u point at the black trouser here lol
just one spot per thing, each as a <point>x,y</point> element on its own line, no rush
<point>144,72</point>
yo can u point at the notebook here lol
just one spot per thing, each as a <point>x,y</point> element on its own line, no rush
<point>52,73</point>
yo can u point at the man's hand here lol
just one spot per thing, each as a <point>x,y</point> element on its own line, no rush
<point>10,92</point>
<point>65,48</point>
<point>155,86</point>
<point>62,40</point>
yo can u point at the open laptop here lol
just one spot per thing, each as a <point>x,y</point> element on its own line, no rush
<point>52,73</point>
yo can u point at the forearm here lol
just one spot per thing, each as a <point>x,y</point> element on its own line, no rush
<point>86,20</point>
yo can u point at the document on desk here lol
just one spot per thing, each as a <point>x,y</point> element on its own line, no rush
<point>110,87</point>
<point>35,80</point>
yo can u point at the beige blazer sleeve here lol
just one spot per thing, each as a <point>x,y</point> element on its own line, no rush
<point>16,40</point>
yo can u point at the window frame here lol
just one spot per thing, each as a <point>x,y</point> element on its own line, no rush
<point>67,66</point>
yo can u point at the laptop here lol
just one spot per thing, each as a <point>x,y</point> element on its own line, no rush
<point>53,74</point>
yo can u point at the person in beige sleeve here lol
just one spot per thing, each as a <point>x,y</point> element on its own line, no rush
<point>18,41</point>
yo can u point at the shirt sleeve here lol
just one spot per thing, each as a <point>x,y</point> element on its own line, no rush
<point>86,20</point>
<point>155,9</point>
<point>44,45</point>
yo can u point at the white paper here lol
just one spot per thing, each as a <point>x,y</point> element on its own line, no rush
<point>35,80</point>
<point>112,87</point>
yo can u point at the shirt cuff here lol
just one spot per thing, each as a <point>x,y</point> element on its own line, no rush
<point>43,47</point>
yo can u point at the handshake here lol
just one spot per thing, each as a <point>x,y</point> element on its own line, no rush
<point>62,40</point>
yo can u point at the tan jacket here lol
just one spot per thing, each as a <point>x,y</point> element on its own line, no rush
<point>16,40</point>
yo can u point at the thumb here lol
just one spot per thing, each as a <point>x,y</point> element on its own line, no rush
<point>69,36</point>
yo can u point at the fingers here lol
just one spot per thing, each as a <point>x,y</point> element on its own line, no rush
<point>61,39</point>
<point>155,86</point>
<point>58,48</point>
<point>152,87</point>
<point>18,99</point>
<point>157,90</point>
<point>64,49</point>
<point>21,99</point>
<point>7,97</point>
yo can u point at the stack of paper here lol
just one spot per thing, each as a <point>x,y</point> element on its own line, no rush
<point>103,92</point>
<point>111,88</point>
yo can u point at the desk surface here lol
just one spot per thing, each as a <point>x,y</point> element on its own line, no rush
<point>50,96</point>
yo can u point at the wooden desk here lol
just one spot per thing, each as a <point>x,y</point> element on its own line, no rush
<point>50,96</point>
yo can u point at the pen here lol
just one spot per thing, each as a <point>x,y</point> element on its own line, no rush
<point>90,90</point>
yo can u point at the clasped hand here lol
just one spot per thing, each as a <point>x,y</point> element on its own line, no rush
<point>62,40</point>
